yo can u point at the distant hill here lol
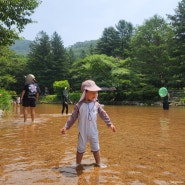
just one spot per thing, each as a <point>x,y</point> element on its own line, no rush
<point>80,47</point>
<point>21,46</point>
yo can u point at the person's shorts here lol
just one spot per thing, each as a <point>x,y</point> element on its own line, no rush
<point>82,142</point>
<point>30,102</point>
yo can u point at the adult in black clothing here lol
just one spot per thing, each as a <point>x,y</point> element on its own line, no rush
<point>166,102</point>
<point>65,100</point>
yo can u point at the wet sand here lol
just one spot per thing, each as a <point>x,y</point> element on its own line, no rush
<point>147,149</point>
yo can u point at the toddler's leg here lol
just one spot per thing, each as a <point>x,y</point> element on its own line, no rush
<point>97,157</point>
<point>79,157</point>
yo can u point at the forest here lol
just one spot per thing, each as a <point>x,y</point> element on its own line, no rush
<point>136,61</point>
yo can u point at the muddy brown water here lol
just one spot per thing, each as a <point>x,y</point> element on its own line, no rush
<point>148,148</point>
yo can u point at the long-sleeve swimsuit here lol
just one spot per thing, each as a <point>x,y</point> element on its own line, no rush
<point>86,113</point>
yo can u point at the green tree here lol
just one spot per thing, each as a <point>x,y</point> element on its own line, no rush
<point>6,67</point>
<point>78,72</point>
<point>100,69</point>
<point>71,56</point>
<point>12,68</point>
<point>83,54</point>
<point>14,16</point>
<point>95,67</point>
<point>19,64</point>
<point>178,48</point>
<point>150,52</point>
<point>91,49</point>
<point>60,62</point>
<point>48,60</point>
<point>122,75</point>
<point>125,30</point>
<point>109,43</point>
<point>39,61</point>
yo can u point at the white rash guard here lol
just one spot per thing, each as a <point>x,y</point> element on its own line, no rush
<point>86,112</point>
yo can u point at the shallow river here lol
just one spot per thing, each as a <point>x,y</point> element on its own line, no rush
<point>148,148</point>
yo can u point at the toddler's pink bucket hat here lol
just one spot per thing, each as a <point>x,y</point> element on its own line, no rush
<point>90,86</point>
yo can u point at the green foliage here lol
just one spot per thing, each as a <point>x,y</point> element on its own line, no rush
<point>14,14</point>
<point>59,86</point>
<point>182,98</point>
<point>109,43</point>
<point>13,95</point>
<point>115,42</point>
<point>125,31</point>
<point>95,67</point>
<point>6,68</point>
<point>49,99</point>
<point>12,70</point>
<point>5,100</point>
<point>48,59</point>
<point>75,96</point>
<point>136,61</point>
<point>59,58</point>
<point>178,47</point>
<point>149,51</point>
<point>108,97</point>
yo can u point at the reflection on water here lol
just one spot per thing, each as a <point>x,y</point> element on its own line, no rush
<point>147,149</point>
<point>164,124</point>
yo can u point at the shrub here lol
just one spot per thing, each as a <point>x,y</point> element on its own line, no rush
<point>75,96</point>
<point>49,99</point>
<point>5,100</point>
<point>59,86</point>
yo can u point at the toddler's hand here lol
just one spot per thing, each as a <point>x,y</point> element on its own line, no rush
<point>63,130</point>
<point>113,128</point>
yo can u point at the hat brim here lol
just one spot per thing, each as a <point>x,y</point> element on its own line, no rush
<point>93,88</point>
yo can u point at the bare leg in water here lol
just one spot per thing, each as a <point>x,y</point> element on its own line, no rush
<point>32,114</point>
<point>25,111</point>
<point>96,157</point>
<point>79,158</point>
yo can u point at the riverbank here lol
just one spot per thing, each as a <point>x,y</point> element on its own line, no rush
<point>132,103</point>
<point>159,103</point>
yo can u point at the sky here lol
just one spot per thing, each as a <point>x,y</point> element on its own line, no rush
<point>85,20</point>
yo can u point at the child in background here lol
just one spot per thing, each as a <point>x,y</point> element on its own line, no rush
<point>29,96</point>
<point>86,111</point>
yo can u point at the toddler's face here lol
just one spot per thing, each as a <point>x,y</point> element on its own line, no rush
<point>91,95</point>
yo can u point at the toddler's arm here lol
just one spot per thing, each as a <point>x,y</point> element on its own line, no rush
<point>71,120</point>
<point>104,116</point>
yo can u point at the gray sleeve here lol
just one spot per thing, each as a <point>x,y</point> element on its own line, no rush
<point>72,118</point>
<point>103,115</point>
